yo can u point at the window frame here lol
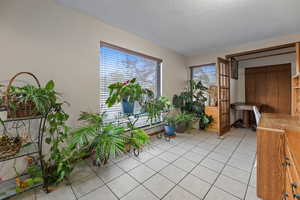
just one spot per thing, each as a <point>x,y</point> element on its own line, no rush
<point>199,66</point>
<point>135,53</point>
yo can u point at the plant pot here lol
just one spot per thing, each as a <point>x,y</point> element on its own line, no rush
<point>170,130</point>
<point>181,127</point>
<point>128,108</point>
<point>21,110</point>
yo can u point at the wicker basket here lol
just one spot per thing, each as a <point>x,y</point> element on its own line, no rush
<point>9,150</point>
<point>21,110</point>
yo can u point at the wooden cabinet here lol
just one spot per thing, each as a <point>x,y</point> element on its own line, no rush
<point>213,111</point>
<point>278,156</point>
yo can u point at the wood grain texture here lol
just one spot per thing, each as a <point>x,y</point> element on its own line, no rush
<point>298,57</point>
<point>213,111</point>
<point>272,48</point>
<point>270,171</point>
<point>223,96</point>
<point>278,157</point>
<point>269,86</point>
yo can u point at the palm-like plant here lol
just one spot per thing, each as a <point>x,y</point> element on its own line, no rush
<point>138,138</point>
<point>110,143</point>
<point>106,140</point>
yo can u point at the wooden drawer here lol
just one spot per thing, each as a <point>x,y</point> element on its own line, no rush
<point>288,190</point>
<point>291,166</point>
<point>271,172</point>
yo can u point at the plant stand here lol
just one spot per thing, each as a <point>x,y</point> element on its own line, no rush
<point>131,120</point>
<point>34,148</point>
<point>26,125</point>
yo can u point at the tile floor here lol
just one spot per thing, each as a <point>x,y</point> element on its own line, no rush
<point>190,167</point>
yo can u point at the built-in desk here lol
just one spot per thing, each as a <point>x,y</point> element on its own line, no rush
<point>278,153</point>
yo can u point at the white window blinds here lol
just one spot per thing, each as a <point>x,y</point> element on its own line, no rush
<point>118,65</point>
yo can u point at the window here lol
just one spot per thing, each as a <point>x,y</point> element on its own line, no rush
<point>118,65</point>
<point>206,73</point>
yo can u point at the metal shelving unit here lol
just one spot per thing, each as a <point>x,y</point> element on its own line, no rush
<point>32,148</point>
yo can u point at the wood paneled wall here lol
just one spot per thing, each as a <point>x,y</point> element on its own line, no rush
<point>269,86</point>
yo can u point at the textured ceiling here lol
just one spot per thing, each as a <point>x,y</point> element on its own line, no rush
<point>191,26</point>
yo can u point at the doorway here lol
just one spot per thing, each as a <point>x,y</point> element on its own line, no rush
<point>269,86</point>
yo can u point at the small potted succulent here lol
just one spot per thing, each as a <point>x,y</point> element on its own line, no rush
<point>127,93</point>
<point>170,125</point>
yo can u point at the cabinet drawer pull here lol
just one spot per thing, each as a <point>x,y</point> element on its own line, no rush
<point>296,196</point>
<point>294,186</point>
<point>286,163</point>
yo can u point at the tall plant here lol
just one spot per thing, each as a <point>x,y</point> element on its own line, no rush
<point>192,101</point>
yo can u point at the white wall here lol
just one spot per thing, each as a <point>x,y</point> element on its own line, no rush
<point>62,44</point>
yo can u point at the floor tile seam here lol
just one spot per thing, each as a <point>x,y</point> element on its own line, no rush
<point>219,174</point>
<point>248,185</point>
<point>106,184</point>
<point>190,173</point>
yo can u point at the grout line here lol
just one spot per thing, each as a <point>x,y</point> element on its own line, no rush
<point>158,172</point>
<point>177,184</point>
<point>248,185</point>
<point>169,163</point>
<point>213,184</point>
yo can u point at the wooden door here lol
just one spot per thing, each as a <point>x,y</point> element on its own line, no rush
<point>224,95</point>
<point>269,86</point>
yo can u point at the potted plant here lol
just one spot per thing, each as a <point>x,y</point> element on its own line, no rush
<point>170,125</point>
<point>106,140</point>
<point>29,100</point>
<point>154,107</point>
<point>184,122</point>
<point>204,121</point>
<point>192,101</point>
<point>136,139</point>
<point>127,93</point>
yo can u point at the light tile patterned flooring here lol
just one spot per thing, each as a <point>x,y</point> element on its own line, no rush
<point>190,167</point>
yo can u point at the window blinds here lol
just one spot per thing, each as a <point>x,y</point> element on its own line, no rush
<point>119,66</point>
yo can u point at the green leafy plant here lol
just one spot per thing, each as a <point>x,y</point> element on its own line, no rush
<point>170,120</point>
<point>59,163</point>
<point>128,90</point>
<point>137,138</point>
<point>106,140</point>
<point>109,143</point>
<point>2,94</point>
<point>154,107</point>
<point>41,98</point>
<point>204,121</point>
<point>184,121</point>
<point>34,175</point>
<point>192,101</point>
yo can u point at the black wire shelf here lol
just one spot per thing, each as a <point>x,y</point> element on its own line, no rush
<point>25,150</point>
<point>23,118</point>
<point>8,187</point>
